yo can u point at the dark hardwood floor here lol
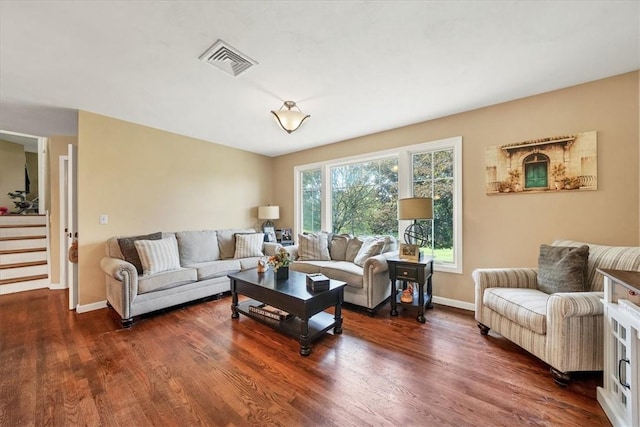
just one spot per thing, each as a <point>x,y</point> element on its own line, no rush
<point>196,366</point>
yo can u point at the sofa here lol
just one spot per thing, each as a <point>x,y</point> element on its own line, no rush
<point>152,272</point>
<point>564,328</point>
<point>361,262</point>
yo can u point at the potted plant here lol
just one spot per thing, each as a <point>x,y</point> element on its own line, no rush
<point>557,173</point>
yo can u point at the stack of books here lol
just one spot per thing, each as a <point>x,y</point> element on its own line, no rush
<point>269,311</point>
<point>317,282</point>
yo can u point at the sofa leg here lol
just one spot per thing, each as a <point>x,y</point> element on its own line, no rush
<point>561,378</point>
<point>126,323</point>
<point>371,312</point>
<point>484,330</point>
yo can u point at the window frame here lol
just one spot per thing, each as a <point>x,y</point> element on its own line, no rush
<point>405,188</point>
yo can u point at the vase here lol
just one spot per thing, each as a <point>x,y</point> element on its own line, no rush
<point>282,273</point>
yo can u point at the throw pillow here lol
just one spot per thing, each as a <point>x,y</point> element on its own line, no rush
<point>227,241</point>
<point>338,246</point>
<point>562,268</point>
<point>249,245</point>
<point>158,255</point>
<point>370,247</point>
<point>128,248</point>
<point>313,247</point>
<point>353,247</point>
<point>197,246</point>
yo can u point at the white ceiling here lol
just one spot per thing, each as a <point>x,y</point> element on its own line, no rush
<point>356,67</point>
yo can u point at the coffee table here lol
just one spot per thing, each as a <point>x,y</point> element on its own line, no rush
<point>309,321</point>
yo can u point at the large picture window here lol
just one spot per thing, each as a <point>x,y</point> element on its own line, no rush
<point>359,195</point>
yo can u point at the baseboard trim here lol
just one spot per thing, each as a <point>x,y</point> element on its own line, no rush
<point>91,307</point>
<point>455,303</point>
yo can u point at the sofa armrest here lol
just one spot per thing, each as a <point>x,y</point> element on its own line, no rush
<point>575,304</point>
<point>119,269</point>
<point>377,263</point>
<point>122,284</point>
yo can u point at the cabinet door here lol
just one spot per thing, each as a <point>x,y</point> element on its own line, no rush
<point>619,373</point>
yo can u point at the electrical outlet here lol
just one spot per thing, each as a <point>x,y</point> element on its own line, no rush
<point>104,219</point>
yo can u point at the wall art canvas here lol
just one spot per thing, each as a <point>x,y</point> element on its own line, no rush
<point>557,164</point>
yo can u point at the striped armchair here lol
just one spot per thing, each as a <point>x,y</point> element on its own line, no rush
<point>565,329</point>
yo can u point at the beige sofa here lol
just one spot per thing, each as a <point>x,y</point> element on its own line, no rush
<point>563,329</point>
<point>361,262</point>
<point>204,259</point>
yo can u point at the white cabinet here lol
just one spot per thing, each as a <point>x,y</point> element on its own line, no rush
<point>620,394</point>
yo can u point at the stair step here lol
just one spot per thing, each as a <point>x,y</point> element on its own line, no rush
<point>23,219</point>
<point>14,245</point>
<point>6,239</point>
<point>20,231</point>
<point>26,255</point>
<point>23,279</point>
<point>22,264</point>
<point>20,225</point>
<point>21,251</point>
<point>23,269</point>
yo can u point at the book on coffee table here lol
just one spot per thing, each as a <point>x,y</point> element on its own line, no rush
<point>270,312</point>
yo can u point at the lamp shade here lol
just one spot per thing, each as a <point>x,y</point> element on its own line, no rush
<point>269,212</point>
<point>289,116</point>
<point>415,208</point>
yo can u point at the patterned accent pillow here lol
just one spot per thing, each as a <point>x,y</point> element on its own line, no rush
<point>313,247</point>
<point>562,268</point>
<point>157,256</point>
<point>249,245</point>
<point>370,247</point>
<point>128,248</point>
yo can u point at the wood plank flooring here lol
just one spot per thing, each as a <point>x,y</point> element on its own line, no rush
<point>196,366</point>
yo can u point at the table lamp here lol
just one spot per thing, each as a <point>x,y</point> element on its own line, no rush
<point>415,208</point>
<point>268,213</point>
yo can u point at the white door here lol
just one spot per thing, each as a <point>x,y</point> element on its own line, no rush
<point>64,228</point>
<point>72,222</point>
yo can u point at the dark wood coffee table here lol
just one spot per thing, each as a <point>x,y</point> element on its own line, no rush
<point>309,320</point>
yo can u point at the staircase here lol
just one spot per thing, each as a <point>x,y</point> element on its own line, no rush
<point>24,253</point>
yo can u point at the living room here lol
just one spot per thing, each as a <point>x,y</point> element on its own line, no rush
<point>147,179</point>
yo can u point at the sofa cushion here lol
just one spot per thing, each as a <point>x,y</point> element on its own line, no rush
<point>338,246</point>
<point>313,247</point>
<point>353,247</point>
<point>562,268</point>
<point>526,307</point>
<point>249,245</point>
<point>370,247</point>
<point>308,267</point>
<point>344,271</point>
<point>166,280</point>
<point>129,251</point>
<point>220,268</point>
<point>197,246</point>
<point>157,256</point>
<point>227,241</point>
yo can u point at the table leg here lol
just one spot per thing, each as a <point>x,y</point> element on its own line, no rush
<point>234,301</point>
<point>394,291</point>
<point>421,317</point>
<point>337,329</point>
<point>430,292</point>
<point>305,349</point>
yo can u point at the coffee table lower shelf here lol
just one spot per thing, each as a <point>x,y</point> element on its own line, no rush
<point>318,324</point>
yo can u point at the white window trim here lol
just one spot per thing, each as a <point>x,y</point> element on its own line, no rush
<point>404,187</point>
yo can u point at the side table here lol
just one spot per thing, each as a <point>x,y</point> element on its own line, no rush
<point>420,272</point>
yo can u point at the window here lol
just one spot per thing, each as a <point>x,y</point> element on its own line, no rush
<point>359,195</point>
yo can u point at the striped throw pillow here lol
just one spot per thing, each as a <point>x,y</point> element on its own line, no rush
<point>249,245</point>
<point>157,256</point>
<point>313,247</point>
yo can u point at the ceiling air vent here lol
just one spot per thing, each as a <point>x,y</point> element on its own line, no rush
<point>227,58</point>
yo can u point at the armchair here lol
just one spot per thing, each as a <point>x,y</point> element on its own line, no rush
<point>565,329</point>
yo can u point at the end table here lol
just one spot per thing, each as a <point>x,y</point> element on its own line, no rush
<point>419,272</point>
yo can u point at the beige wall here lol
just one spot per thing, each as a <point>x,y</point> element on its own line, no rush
<point>57,147</point>
<point>507,230</point>
<point>148,180</point>
<point>12,160</point>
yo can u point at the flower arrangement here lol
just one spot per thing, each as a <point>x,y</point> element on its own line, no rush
<point>280,259</point>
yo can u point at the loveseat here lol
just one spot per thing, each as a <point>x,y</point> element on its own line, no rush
<point>564,329</point>
<point>152,272</point>
<point>361,262</point>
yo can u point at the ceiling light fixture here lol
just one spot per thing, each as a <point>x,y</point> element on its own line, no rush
<point>288,118</point>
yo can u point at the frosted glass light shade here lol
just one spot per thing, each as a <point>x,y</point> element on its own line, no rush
<point>415,208</point>
<point>269,212</point>
<point>289,116</point>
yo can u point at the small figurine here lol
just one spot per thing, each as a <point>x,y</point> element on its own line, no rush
<point>407,294</point>
<point>262,265</point>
